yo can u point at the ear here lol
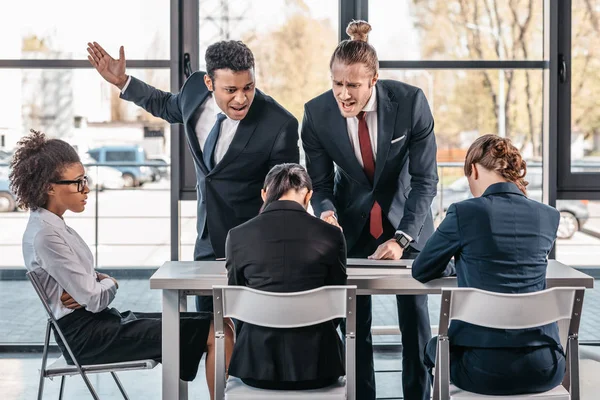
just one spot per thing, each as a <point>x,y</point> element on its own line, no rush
<point>307,198</point>
<point>263,195</point>
<point>51,191</point>
<point>474,171</point>
<point>208,82</point>
<point>375,78</point>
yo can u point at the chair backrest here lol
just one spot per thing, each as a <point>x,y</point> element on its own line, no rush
<point>40,292</point>
<point>283,310</point>
<point>511,311</point>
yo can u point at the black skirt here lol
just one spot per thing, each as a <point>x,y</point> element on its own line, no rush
<point>111,336</point>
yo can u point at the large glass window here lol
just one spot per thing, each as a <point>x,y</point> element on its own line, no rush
<point>40,29</point>
<point>457,30</point>
<point>585,79</point>
<point>126,229</point>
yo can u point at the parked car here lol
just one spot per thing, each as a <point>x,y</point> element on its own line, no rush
<point>573,213</point>
<point>8,201</point>
<point>160,167</point>
<point>124,159</point>
<point>102,177</point>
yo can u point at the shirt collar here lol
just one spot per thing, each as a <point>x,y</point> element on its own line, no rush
<point>372,103</point>
<point>50,218</point>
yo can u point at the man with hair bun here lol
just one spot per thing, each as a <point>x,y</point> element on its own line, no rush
<point>235,133</point>
<point>379,135</point>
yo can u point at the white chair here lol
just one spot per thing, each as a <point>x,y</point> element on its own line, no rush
<point>60,366</point>
<point>280,311</point>
<point>510,311</point>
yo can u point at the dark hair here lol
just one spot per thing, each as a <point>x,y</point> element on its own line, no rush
<point>356,49</point>
<point>228,54</point>
<point>498,154</point>
<point>283,178</point>
<point>37,163</point>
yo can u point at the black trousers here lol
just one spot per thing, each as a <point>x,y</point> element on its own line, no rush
<point>111,336</point>
<point>502,371</point>
<point>413,320</point>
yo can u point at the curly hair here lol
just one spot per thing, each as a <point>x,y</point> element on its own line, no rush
<point>228,54</point>
<point>37,163</point>
<point>356,49</point>
<point>498,154</point>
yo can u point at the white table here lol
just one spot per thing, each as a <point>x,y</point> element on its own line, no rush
<point>177,279</point>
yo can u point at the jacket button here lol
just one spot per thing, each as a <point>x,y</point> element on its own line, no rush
<point>209,179</point>
<point>363,215</point>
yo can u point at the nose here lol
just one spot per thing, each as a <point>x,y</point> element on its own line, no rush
<point>240,97</point>
<point>344,95</point>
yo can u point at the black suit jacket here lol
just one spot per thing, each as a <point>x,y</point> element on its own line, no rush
<point>500,243</point>
<point>285,249</point>
<point>405,171</point>
<point>230,194</point>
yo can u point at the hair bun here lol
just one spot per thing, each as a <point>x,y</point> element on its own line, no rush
<point>359,30</point>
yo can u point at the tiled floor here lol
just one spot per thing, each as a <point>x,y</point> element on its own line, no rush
<point>19,380</point>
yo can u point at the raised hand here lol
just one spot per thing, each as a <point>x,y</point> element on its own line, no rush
<point>111,70</point>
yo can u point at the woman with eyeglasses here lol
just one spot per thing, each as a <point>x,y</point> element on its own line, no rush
<point>48,178</point>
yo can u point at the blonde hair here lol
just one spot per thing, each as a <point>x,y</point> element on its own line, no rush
<point>356,49</point>
<point>498,154</point>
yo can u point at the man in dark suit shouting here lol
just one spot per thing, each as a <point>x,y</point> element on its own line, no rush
<point>235,133</point>
<point>379,135</point>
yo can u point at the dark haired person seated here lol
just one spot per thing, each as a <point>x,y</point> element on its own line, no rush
<point>500,242</point>
<point>285,249</point>
<point>48,179</point>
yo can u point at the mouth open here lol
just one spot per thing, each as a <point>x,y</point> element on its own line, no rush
<point>239,108</point>
<point>347,105</point>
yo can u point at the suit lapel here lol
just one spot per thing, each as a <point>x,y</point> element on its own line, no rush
<point>338,129</point>
<point>190,118</point>
<point>244,132</point>
<point>386,120</point>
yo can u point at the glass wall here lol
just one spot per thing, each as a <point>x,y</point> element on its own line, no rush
<point>54,89</point>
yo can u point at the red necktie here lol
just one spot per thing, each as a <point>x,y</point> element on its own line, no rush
<point>366,151</point>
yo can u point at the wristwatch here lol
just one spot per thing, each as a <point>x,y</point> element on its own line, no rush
<point>402,239</point>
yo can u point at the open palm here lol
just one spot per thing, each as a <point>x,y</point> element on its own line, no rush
<point>110,69</point>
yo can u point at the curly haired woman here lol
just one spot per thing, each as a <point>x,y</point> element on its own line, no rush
<point>49,179</point>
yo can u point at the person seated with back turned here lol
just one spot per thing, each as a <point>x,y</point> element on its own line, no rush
<point>500,242</point>
<point>285,249</point>
<point>48,178</point>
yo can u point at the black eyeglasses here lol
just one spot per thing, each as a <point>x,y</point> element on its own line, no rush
<point>81,183</point>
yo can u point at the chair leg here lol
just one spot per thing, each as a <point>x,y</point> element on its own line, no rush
<point>121,388</point>
<point>87,382</point>
<point>62,387</point>
<point>44,360</point>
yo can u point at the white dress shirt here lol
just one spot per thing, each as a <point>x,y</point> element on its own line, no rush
<point>370,110</point>
<point>208,116</point>
<point>62,261</point>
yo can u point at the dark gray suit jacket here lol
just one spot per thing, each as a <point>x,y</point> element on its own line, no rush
<point>229,194</point>
<point>500,243</point>
<point>405,171</point>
